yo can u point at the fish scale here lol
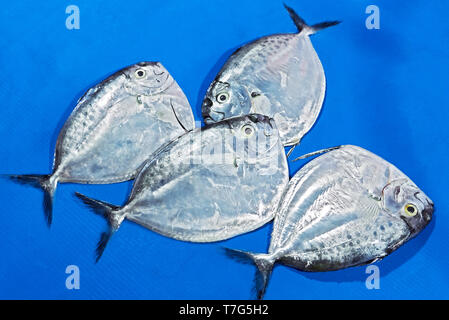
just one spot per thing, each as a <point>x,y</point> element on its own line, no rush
<point>258,53</point>
<point>163,172</point>
<point>87,112</point>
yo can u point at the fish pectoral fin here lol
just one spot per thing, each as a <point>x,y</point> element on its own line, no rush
<point>374,196</point>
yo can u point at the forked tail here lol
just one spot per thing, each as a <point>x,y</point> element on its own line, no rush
<point>45,182</point>
<point>109,212</point>
<point>304,27</point>
<point>263,263</point>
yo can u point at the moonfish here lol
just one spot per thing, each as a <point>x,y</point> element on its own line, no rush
<point>114,128</point>
<point>278,75</point>
<point>210,184</point>
<point>345,208</point>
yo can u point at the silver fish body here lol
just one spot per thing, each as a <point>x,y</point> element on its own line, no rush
<point>345,208</point>
<point>210,184</point>
<point>115,127</point>
<point>279,75</point>
<point>119,123</point>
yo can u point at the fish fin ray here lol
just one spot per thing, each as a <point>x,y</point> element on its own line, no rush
<point>311,154</point>
<point>107,211</point>
<point>297,20</point>
<point>289,153</point>
<point>323,25</point>
<point>304,27</point>
<point>263,264</point>
<point>101,245</point>
<point>44,182</point>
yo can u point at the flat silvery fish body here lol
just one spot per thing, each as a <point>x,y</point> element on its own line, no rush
<point>210,184</point>
<point>115,127</point>
<point>279,75</point>
<point>345,208</point>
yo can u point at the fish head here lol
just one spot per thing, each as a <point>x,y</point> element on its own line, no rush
<point>405,200</point>
<point>146,78</point>
<point>225,99</point>
<point>254,135</point>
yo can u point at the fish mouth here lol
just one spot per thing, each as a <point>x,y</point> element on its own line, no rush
<point>207,105</point>
<point>427,213</point>
<point>208,120</point>
<point>205,110</point>
<point>428,210</point>
<point>210,115</point>
<point>213,116</point>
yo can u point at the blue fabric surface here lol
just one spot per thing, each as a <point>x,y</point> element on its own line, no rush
<point>387,92</point>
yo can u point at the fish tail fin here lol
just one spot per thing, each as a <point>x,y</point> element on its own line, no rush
<point>264,264</point>
<point>47,183</point>
<point>304,27</point>
<point>109,212</point>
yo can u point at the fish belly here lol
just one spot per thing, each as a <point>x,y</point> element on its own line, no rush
<point>350,245</point>
<point>205,205</point>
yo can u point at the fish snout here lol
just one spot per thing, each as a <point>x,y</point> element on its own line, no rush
<point>210,115</point>
<point>427,213</point>
<point>206,110</point>
<point>207,105</point>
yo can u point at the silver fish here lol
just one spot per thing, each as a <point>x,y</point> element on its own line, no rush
<point>210,184</point>
<point>345,208</point>
<point>114,128</point>
<point>278,75</point>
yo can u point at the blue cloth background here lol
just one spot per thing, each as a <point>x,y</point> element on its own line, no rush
<point>387,92</point>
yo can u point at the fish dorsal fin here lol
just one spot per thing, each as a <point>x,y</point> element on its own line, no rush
<point>315,153</point>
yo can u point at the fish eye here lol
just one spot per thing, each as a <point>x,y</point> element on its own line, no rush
<point>222,97</point>
<point>410,210</point>
<point>140,73</point>
<point>248,130</point>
